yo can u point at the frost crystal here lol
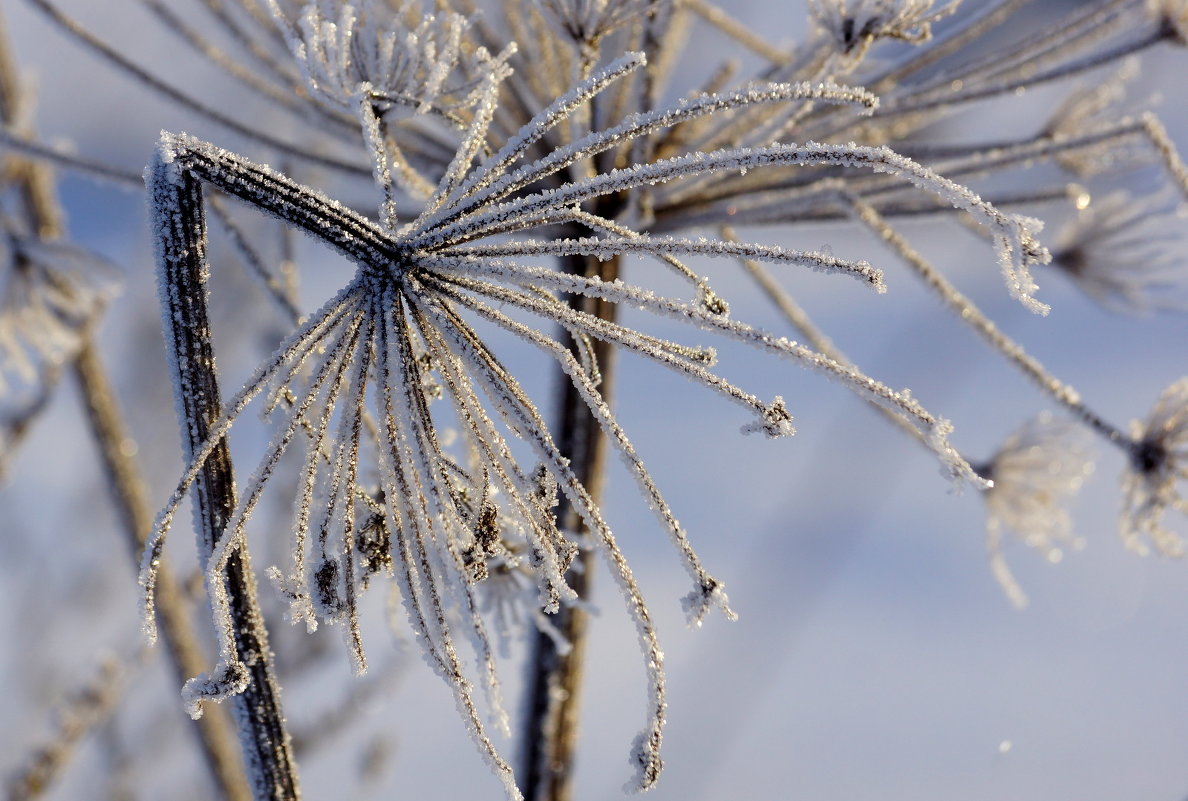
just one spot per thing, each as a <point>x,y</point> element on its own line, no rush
<point>775,421</point>
<point>1035,473</point>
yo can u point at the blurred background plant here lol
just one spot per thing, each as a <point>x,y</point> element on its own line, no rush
<point>871,631</point>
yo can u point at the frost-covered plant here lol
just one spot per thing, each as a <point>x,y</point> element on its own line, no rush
<point>1158,464</point>
<point>854,25</point>
<point>369,350</point>
<point>1126,253</point>
<point>1034,474</point>
<point>51,295</point>
<point>520,158</point>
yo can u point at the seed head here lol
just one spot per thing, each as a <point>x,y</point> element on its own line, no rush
<point>1038,469</point>
<point>1158,462</point>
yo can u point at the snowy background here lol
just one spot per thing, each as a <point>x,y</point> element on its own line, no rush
<point>875,657</point>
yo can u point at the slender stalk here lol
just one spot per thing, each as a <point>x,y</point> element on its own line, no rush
<point>183,272</point>
<point>1027,81</point>
<point>84,710</point>
<point>965,310</point>
<point>214,729</point>
<point>43,211</point>
<point>737,31</point>
<point>553,703</point>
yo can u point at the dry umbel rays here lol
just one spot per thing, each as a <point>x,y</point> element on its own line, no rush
<point>353,387</point>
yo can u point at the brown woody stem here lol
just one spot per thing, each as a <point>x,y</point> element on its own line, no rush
<point>550,731</point>
<point>183,274</point>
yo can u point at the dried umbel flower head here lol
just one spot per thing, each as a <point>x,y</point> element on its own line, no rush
<point>1158,462</point>
<point>368,51</point>
<point>1172,15</point>
<point>586,21</point>
<point>854,25</point>
<point>1098,106</point>
<point>371,59</point>
<point>1127,253</point>
<point>1038,469</point>
<point>50,294</point>
<point>351,383</point>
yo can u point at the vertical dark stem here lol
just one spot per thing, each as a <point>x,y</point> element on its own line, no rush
<point>181,229</point>
<point>550,731</point>
<point>42,210</point>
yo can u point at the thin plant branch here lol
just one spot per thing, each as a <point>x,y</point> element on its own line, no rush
<point>265,739</point>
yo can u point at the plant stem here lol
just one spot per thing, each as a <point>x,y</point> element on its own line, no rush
<point>554,682</point>
<point>214,730</point>
<point>966,311</point>
<point>183,273</point>
<point>81,712</point>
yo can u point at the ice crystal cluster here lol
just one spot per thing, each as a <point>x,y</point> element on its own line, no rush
<point>518,157</point>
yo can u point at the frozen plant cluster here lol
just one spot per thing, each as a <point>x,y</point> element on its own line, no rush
<point>513,160</point>
<point>51,295</point>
